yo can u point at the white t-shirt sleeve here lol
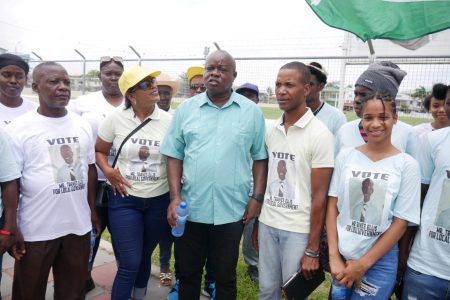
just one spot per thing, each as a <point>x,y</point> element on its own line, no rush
<point>341,120</point>
<point>16,149</point>
<point>407,203</point>
<point>426,161</point>
<point>337,172</point>
<point>73,107</point>
<point>323,150</point>
<point>91,150</point>
<point>107,130</point>
<point>413,143</point>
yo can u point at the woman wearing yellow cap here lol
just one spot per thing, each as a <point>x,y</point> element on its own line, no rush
<point>139,197</point>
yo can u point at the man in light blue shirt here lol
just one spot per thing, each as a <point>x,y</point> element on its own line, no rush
<point>210,144</point>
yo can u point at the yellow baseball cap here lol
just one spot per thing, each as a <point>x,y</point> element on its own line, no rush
<point>133,76</point>
<point>194,71</point>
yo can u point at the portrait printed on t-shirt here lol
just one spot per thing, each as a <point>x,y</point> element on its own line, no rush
<point>282,181</point>
<point>66,162</point>
<point>366,199</point>
<point>144,162</point>
<point>443,210</point>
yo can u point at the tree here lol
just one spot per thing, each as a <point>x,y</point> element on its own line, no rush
<point>419,93</point>
<point>269,91</point>
<point>93,74</point>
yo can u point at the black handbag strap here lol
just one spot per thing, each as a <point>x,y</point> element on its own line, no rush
<point>126,139</point>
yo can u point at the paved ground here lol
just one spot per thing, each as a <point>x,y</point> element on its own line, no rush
<point>103,274</point>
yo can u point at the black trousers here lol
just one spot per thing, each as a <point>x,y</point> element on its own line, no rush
<point>193,247</point>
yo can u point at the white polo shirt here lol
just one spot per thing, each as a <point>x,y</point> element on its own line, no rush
<point>307,144</point>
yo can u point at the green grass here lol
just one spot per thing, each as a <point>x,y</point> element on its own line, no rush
<point>407,119</point>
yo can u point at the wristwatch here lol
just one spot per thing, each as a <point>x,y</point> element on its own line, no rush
<point>257,197</point>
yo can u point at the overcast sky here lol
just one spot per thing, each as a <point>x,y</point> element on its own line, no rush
<point>164,28</point>
<point>182,28</point>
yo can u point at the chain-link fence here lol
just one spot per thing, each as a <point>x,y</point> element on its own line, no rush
<point>422,71</point>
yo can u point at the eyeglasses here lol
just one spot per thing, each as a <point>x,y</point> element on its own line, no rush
<point>104,59</point>
<point>144,85</point>
<point>195,87</point>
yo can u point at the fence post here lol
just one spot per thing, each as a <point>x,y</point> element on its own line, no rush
<point>84,70</point>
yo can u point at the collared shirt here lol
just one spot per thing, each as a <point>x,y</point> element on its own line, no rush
<point>141,147</point>
<point>216,146</point>
<point>307,145</point>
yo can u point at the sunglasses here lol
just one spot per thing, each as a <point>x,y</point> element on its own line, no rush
<point>195,87</point>
<point>104,59</point>
<point>144,85</point>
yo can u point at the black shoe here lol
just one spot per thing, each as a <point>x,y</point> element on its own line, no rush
<point>90,285</point>
<point>253,274</point>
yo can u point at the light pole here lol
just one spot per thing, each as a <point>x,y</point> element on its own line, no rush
<point>137,54</point>
<point>35,54</point>
<point>84,70</point>
<point>205,51</point>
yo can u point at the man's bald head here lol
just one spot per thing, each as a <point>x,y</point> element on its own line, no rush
<point>39,70</point>
<point>222,54</point>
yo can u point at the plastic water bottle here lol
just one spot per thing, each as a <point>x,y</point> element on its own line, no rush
<point>92,244</point>
<point>339,292</point>
<point>178,230</point>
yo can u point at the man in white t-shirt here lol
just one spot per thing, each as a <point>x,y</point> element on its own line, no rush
<point>332,117</point>
<point>300,151</point>
<point>13,77</point>
<point>386,77</point>
<point>55,218</point>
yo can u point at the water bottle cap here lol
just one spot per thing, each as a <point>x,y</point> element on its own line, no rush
<point>183,204</point>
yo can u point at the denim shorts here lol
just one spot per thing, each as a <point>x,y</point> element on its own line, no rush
<point>379,280</point>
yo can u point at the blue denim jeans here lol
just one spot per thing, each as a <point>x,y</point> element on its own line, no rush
<point>280,252</point>
<point>136,227</point>
<point>417,285</point>
<point>379,280</point>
